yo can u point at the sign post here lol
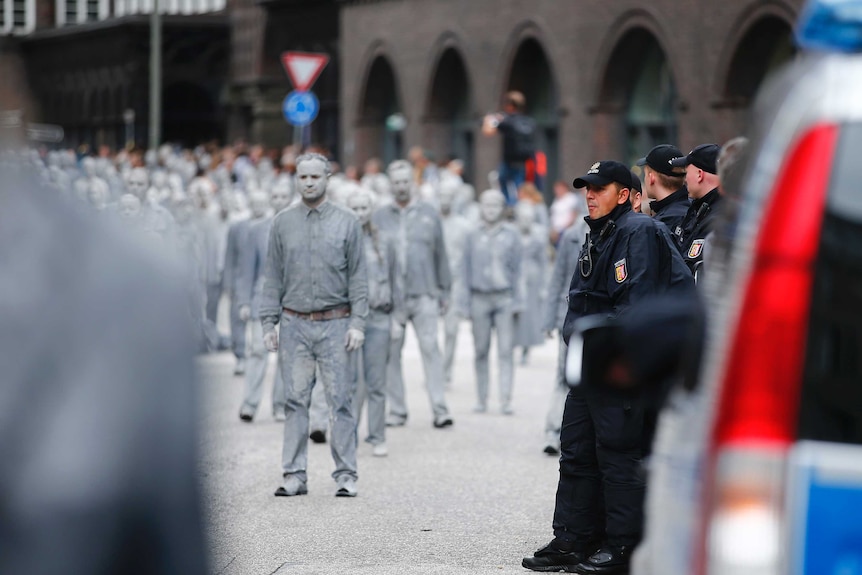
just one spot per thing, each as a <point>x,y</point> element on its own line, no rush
<point>301,106</point>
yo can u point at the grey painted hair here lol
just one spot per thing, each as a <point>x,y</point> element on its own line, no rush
<point>327,167</point>
<point>399,165</point>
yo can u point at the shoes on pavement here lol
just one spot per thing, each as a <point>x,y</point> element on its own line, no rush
<point>246,415</point>
<point>395,420</point>
<point>240,366</point>
<point>480,408</point>
<point>552,449</point>
<point>442,421</point>
<point>380,450</point>
<point>507,409</point>
<point>558,555</point>
<point>609,560</point>
<point>346,487</point>
<point>292,486</point>
<point>317,436</point>
<point>278,414</point>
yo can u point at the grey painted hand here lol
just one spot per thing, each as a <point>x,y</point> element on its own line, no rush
<point>270,340</point>
<point>354,339</point>
<point>244,312</point>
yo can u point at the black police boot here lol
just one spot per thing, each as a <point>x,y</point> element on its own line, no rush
<point>558,555</point>
<point>609,560</point>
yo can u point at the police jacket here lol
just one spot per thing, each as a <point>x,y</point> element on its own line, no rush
<point>671,210</point>
<point>691,233</point>
<point>626,257</point>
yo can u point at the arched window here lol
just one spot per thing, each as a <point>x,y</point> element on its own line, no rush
<point>765,47</point>
<point>381,121</point>
<point>531,75</point>
<point>448,125</point>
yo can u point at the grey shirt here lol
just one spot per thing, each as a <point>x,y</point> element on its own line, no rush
<point>237,237</point>
<point>565,266</point>
<point>382,264</point>
<point>417,234</point>
<point>492,263</point>
<point>249,279</point>
<point>315,262</point>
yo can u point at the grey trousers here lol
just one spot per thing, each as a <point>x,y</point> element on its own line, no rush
<point>423,312</point>
<point>451,322</point>
<point>493,311</point>
<point>554,418</point>
<point>237,330</point>
<point>213,297</point>
<point>256,372</point>
<point>318,413</point>
<point>371,376</point>
<point>304,347</point>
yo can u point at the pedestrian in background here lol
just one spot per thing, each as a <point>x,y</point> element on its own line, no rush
<point>519,142</point>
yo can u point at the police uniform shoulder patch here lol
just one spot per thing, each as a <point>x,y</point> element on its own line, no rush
<point>621,272</point>
<point>696,249</point>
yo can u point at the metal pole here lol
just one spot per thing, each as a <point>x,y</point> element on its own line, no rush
<point>155,77</point>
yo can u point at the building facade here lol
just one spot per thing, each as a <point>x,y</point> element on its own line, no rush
<point>602,79</point>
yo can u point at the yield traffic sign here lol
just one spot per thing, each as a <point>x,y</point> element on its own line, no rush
<point>303,68</point>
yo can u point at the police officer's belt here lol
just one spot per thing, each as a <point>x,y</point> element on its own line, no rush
<point>334,313</point>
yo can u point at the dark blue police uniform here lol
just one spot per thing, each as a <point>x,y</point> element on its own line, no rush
<point>599,502</point>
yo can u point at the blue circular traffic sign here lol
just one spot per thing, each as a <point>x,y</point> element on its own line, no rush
<point>300,108</point>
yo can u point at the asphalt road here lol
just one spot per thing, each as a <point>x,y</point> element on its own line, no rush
<point>474,498</point>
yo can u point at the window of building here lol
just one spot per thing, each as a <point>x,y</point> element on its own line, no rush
<point>17,16</point>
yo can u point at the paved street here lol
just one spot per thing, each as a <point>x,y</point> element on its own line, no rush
<point>474,498</point>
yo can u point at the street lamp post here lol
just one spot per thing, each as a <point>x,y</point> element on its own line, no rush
<point>155,76</point>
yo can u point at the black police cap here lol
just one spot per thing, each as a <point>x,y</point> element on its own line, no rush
<point>660,159</point>
<point>705,157</point>
<point>603,173</point>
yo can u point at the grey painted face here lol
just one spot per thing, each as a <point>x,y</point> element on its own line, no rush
<point>491,206</point>
<point>281,195</point>
<point>99,194</point>
<point>446,196</point>
<point>130,206</point>
<point>258,203</point>
<point>402,184</point>
<point>525,215</point>
<point>312,179</point>
<point>361,205</point>
<point>138,182</point>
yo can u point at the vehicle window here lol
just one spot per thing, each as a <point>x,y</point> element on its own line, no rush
<point>831,402</point>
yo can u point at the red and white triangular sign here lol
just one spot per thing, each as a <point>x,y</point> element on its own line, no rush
<point>303,68</point>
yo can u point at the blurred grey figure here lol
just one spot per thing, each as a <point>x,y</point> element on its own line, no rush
<point>213,228</point>
<point>534,275</point>
<point>565,266</point>
<point>108,483</point>
<point>383,297</point>
<point>237,240</point>
<point>154,218</point>
<point>249,286</point>
<point>316,291</point>
<point>492,295</point>
<point>455,230</point>
<point>417,232</point>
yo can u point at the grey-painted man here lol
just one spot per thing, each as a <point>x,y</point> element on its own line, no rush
<point>316,291</point>
<point>384,295</point>
<point>565,266</point>
<point>455,230</point>
<point>492,295</point>
<point>249,285</point>
<point>415,228</point>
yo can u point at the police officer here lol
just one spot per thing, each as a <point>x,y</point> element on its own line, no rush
<point>701,179</point>
<point>599,503</point>
<point>665,185</point>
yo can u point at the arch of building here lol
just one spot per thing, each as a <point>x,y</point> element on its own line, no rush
<point>637,98</point>
<point>378,134</point>
<point>762,43</point>
<point>527,66</point>
<point>449,118</point>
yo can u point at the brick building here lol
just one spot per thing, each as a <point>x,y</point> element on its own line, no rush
<point>603,79</point>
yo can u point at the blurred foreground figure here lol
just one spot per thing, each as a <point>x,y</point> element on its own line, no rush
<point>105,480</point>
